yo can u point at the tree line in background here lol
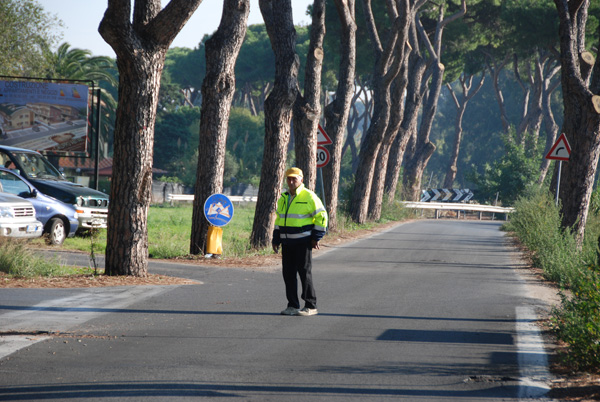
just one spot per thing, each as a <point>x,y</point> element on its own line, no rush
<point>412,93</point>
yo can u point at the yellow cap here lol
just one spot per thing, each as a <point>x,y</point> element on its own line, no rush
<point>291,172</point>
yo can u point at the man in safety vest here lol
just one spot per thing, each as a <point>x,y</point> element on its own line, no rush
<point>300,224</point>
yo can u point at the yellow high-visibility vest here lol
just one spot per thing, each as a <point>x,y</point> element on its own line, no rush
<point>299,218</point>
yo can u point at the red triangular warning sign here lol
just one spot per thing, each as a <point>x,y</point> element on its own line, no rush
<point>561,150</point>
<point>322,137</point>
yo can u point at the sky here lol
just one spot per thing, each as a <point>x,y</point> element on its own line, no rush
<point>82,17</point>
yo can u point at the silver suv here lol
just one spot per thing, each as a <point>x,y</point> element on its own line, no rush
<point>17,218</point>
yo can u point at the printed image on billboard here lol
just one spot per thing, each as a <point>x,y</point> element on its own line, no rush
<point>44,116</point>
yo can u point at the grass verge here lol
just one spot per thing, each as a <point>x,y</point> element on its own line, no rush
<point>576,322</point>
<point>17,261</point>
<point>169,230</point>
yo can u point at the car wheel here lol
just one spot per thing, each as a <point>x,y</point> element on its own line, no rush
<point>57,233</point>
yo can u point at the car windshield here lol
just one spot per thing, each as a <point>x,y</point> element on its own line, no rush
<point>37,167</point>
<point>9,183</point>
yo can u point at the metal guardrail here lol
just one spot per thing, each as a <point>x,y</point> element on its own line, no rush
<point>439,206</point>
<point>190,197</point>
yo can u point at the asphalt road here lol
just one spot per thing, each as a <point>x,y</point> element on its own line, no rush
<point>427,311</point>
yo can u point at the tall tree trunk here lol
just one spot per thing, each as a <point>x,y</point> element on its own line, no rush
<point>408,126</point>
<point>528,130</point>
<point>218,89</point>
<point>581,119</point>
<point>526,89</point>
<point>466,84</point>
<point>307,109</point>
<point>393,129</point>
<point>388,62</point>
<point>495,68</point>
<point>277,15</point>
<point>141,45</point>
<point>415,167</point>
<point>336,113</point>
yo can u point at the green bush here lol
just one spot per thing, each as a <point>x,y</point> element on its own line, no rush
<point>537,223</point>
<point>512,176</point>
<point>577,322</point>
<point>395,211</point>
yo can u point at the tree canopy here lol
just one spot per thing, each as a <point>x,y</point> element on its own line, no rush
<point>26,33</point>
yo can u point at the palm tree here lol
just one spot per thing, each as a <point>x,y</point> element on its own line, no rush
<point>79,64</point>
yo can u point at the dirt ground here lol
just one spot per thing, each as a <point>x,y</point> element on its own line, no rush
<point>566,385</point>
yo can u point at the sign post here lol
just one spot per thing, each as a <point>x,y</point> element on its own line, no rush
<point>218,210</point>
<point>560,151</point>
<point>322,156</point>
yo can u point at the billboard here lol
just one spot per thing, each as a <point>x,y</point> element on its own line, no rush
<point>48,117</point>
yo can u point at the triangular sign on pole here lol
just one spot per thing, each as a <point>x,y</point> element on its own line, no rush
<point>561,150</point>
<point>322,137</point>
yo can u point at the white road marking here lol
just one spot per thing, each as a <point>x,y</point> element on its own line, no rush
<point>59,315</point>
<point>533,359</point>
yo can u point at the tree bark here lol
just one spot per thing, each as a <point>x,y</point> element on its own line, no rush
<point>392,131</point>
<point>141,45</point>
<point>307,109</point>
<point>415,166</point>
<point>218,89</point>
<point>528,130</point>
<point>495,68</point>
<point>387,65</point>
<point>526,89</point>
<point>581,120</point>
<point>408,126</point>
<point>337,112</point>
<point>277,15</point>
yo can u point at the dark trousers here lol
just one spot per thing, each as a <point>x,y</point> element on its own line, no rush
<point>297,261</point>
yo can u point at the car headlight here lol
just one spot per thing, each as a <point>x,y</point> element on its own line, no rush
<point>7,212</point>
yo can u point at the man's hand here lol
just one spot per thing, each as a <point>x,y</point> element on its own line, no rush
<point>276,248</point>
<point>315,244</point>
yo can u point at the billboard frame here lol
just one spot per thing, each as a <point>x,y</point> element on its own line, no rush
<point>93,119</point>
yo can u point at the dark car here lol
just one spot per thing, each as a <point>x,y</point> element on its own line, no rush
<point>59,219</point>
<point>91,205</point>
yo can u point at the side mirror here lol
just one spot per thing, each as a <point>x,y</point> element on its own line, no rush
<point>34,193</point>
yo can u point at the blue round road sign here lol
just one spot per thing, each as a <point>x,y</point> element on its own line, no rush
<point>218,210</point>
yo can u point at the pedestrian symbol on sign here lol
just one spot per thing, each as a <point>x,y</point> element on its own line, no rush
<point>218,210</point>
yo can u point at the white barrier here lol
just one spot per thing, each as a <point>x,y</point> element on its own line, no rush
<point>190,197</point>
<point>438,206</point>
